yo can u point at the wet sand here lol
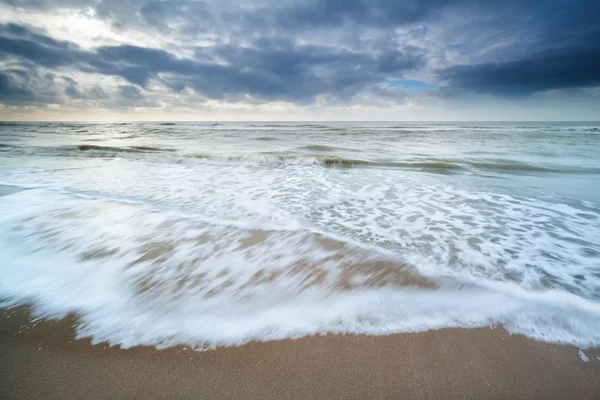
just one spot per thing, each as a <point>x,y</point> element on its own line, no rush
<point>46,362</point>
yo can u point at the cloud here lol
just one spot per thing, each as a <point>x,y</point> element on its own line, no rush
<point>30,87</point>
<point>42,50</point>
<point>323,13</point>
<point>90,92</point>
<point>266,71</point>
<point>12,93</point>
<point>130,92</point>
<point>560,69</point>
<point>309,53</point>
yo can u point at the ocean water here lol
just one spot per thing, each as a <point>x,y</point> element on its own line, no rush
<point>218,234</point>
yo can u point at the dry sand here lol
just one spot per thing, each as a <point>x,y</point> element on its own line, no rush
<point>46,362</point>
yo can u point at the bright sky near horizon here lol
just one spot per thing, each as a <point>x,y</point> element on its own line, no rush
<point>299,60</point>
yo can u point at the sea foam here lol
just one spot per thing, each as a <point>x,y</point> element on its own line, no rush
<point>212,235</point>
<point>140,277</point>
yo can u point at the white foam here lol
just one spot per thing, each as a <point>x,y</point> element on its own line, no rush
<point>520,252</point>
<point>583,357</point>
<point>53,246</point>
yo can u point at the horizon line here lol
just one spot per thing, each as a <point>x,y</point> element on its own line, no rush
<point>283,121</point>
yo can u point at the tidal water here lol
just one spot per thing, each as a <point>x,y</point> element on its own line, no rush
<point>218,234</point>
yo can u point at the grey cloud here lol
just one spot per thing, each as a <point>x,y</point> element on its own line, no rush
<point>28,87</point>
<point>161,13</point>
<point>130,92</point>
<point>382,96</point>
<point>91,92</point>
<point>42,50</point>
<point>567,68</point>
<point>267,71</point>
<point>261,51</point>
<point>11,92</point>
<point>319,13</point>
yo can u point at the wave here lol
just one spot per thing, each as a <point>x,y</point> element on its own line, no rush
<point>435,166</point>
<point>314,126</point>
<point>149,148</point>
<point>320,147</point>
<point>266,138</point>
<point>517,167</point>
<point>130,149</point>
<point>284,159</point>
<point>167,279</point>
<point>88,149</point>
<point>69,125</point>
<point>402,129</point>
<point>328,161</point>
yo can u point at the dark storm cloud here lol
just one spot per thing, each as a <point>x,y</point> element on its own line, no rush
<point>559,46</point>
<point>267,71</point>
<point>12,93</point>
<point>560,69</point>
<point>26,86</point>
<point>260,49</point>
<point>560,50</point>
<point>130,92</point>
<point>287,71</point>
<point>21,42</point>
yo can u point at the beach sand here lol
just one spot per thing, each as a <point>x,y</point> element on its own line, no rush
<point>44,361</point>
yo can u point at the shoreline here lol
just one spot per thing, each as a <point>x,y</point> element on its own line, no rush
<point>44,360</point>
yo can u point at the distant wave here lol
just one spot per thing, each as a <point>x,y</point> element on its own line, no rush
<point>70,125</point>
<point>130,149</point>
<point>516,166</point>
<point>320,147</point>
<point>94,150</point>
<point>433,166</point>
<point>268,125</point>
<point>326,159</point>
<point>282,159</point>
<point>401,129</point>
<point>317,126</point>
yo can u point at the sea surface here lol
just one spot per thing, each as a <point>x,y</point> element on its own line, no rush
<point>210,235</point>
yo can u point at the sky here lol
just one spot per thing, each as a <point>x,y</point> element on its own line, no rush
<point>107,60</point>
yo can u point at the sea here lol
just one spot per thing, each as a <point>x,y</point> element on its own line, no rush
<point>218,234</point>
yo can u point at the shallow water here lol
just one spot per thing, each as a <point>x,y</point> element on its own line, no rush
<point>216,234</point>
